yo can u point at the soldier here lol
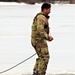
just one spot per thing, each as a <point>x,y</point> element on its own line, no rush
<point>39,36</point>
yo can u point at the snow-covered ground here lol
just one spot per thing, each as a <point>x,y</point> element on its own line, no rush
<point>15,33</point>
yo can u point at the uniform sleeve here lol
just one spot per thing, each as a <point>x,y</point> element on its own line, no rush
<point>40,29</point>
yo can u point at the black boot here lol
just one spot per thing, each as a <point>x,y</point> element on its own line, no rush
<point>35,73</point>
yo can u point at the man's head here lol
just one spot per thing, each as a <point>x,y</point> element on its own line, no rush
<point>46,8</point>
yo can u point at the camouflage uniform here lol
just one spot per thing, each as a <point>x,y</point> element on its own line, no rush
<point>40,33</point>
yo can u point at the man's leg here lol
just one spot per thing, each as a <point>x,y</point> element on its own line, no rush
<point>42,60</point>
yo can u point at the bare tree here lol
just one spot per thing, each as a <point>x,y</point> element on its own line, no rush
<point>52,1</point>
<point>72,1</point>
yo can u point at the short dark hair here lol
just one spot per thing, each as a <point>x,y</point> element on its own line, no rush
<point>45,5</point>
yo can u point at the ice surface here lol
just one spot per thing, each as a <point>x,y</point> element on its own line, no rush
<point>15,33</point>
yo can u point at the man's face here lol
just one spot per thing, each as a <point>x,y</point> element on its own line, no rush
<point>47,11</point>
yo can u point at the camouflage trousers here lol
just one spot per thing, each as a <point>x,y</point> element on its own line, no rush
<point>43,58</point>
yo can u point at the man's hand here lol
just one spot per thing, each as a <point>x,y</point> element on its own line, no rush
<point>51,38</point>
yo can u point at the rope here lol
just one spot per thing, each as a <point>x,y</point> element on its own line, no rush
<point>17,64</point>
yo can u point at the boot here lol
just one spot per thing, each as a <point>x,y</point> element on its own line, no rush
<point>35,73</point>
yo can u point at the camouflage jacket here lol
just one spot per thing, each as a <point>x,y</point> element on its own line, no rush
<point>40,27</point>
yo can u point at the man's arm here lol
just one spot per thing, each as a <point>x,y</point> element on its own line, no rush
<point>41,30</point>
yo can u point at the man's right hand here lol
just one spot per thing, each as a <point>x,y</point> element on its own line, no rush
<point>51,38</point>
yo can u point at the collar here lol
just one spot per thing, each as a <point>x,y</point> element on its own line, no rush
<point>45,15</point>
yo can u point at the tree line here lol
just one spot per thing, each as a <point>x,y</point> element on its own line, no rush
<point>39,1</point>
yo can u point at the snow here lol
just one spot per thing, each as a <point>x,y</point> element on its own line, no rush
<point>15,33</point>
